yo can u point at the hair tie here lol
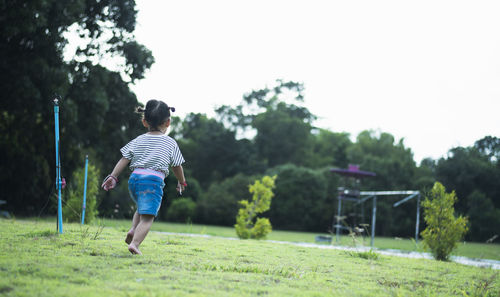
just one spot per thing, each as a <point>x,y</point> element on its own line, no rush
<point>141,110</point>
<point>172,109</point>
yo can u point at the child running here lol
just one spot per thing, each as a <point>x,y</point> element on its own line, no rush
<point>150,155</point>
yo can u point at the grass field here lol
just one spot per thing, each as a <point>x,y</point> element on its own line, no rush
<point>465,249</point>
<point>94,261</point>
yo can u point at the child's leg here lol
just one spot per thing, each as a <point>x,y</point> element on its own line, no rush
<point>141,231</point>
<point>130,233</point>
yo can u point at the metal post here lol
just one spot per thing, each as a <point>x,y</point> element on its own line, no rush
<point>85,188</point>
<point>374,218</point>
<point>337,227</point>
<point>362,213</point>
<point>418,219</point>
<point>58,168</point>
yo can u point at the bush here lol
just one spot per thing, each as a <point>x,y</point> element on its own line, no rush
<point>181,210</point>
<point>72,209</point>
<point>484,218</point>
<point>219,204</point>
<point>261,201</point>
<point>302,201</point>
<point>443,230</point>
<point>170,194</point>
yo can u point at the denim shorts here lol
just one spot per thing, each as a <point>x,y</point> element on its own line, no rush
<point>146,191</point>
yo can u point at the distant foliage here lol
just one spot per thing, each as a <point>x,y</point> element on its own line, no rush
<point>72,209</point>
<point>304,198</point>
<point>96,106</point>
<point>444,230</point>
<point>220,203</point>
<point>247,226</point>
<point>484,218</point>
<point>181,210</point>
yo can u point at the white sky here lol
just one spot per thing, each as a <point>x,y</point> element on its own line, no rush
<point>425,71</point>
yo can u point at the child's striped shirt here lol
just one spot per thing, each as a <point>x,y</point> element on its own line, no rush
<point>155,152</point>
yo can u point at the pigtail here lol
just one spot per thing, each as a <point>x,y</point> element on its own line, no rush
<point>155,113</point>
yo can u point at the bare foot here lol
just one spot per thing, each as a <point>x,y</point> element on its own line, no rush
<point>134,250</point>
<point>129,237</point>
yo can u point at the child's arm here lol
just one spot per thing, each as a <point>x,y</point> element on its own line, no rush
<point>111,180</point>
<point>179,174</point>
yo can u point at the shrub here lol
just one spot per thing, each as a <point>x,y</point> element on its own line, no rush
<point>302,201</point>
<point>170,195</point>
<point>484,218</point>
<point>72,209</point>
<point>219,204</point>
<point>443,230</point>
<point>262,192</point>
<point>181,210</point>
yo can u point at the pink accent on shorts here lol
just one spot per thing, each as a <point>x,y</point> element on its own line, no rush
<point>145,171</point>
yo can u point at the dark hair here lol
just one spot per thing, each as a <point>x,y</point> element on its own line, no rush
<point>156,113</point>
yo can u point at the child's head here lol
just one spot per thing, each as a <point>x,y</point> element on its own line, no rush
<point>156,113</point>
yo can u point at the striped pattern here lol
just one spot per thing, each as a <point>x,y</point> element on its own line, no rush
<point>155,152</point>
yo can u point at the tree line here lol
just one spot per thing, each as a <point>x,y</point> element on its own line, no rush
<point>284,142</point>
<point>270,132</point>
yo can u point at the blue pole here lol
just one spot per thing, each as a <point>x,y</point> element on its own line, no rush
<point>85,188</point>
<point>58,168</point>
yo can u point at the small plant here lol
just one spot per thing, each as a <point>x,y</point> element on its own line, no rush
<point>354,232</point>
<point>368,255</point>
<point>181,210</point>
<point>484,288</point>
<point>417,246</point>
<point>247,226</point>
<point>444,230</point>
<point>72,210</point>
<point>86,232</point>
<point>99,230</point>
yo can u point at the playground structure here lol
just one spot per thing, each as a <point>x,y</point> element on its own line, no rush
<point>351,193</point>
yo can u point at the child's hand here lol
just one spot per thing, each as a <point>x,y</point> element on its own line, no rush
<point>181,187</point>
<point>109,182</point>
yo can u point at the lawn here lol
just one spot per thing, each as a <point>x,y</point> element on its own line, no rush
<point>465,249</point>
<point>94,261</point>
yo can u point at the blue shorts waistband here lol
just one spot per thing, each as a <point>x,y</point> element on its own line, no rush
<point>144,171</point>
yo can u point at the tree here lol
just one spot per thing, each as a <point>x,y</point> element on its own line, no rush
<point>489,146</point>
<point>219,204</point>
<point>474,173</point>
<point>33,39</point>
<point>247,224</point>
<point>282,125</point>
<point>282,137</point>
<point>425,175</point>
<point>241,117</point>
<point>396,170</point>
<point>301,199</point>
<point>392,161</point>
<point>329,149</point>
<point>213,152</point>
<point>472,168</point>
<point>484,218</point>
<point>181,210</point>
<point>444,230</point>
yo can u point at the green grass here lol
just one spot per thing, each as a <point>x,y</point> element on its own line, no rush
<point>465,249</point>
<point>94,261</point>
